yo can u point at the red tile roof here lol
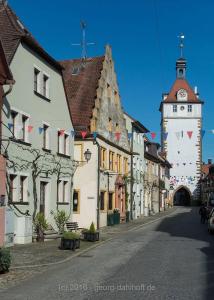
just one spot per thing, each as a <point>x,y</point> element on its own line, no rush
<point>205,168</point>
<point>13,32</point>
<point>181,84</point>
<point>81,88</point>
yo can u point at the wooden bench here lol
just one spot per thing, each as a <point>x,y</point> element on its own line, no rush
<point>72,226</point>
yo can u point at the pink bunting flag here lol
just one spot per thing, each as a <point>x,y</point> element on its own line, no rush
<point>153,135</point>
<point>189,133</point>
<point>83,133</point>
<point>117,135</point>
<point>30,128</point>
<point>62,131</point>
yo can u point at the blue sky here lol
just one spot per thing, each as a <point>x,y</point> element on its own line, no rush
<point>143,35</point>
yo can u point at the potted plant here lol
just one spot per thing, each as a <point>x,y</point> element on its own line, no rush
<point>91,235</point>
<point>70,241</point>
<point>41,225</point>
<point>5,260</point>
<point>116,212</point>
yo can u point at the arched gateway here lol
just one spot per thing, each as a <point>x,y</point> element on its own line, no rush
<point>182,196</point>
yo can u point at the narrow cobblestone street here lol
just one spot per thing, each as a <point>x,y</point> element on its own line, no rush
<point>170,258</point>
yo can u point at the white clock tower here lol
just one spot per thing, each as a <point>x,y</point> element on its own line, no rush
<point>181,124</point>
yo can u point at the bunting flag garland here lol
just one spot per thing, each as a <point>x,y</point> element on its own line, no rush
<point>29,128</point>
<point>117,135</point>
<point>61,131</point>
<point>165,135</point>
<point>189,133</point>
<point>72,133</point>
<point>10,126</point>
<point>153,135</point>
<point>41,130</point>
<point>130,135</point>
<point>178,134</point>
<point>83,133</point>
<point>202,133</point>
<point>95,135</point>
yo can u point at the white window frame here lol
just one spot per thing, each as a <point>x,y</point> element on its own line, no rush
<point>47,138</point>
<point>63,190</point>
<point>25,188</point>
<point>189,108</point>
<point>38,90</point>
<point>66,144</point>
<point>174,108</point>
<point>47,94</point>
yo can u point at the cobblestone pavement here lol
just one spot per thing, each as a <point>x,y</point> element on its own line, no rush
<point>29,260</point>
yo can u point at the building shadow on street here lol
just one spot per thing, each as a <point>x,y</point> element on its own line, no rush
<point>186,224</point>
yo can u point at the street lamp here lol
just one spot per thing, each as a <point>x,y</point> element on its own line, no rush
<point>87,155</point>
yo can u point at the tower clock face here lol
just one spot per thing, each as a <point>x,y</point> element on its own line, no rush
<point>182,95</point>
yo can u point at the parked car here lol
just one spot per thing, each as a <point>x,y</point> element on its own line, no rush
<point>211,221</point>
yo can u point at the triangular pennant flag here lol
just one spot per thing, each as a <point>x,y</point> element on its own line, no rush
<point>178,135</point>
<point>10,126</point>
<point>189,133</point>
<point>130,134</point>
<point>165,135</point>
<point>153,135</point>
<point>61,132</point>
<point>72,133</point>
<point>30,128</point>
<point>41,130</point>
<point>182,134</point>
<point>117,135</point>
<point>95,135</point>
<point>202,133</point>
<point>83,133</point>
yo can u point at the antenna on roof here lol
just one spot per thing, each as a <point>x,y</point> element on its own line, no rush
<point>83,43</point>
<point>181,43</point>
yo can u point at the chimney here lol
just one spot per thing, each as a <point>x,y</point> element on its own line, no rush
<point>209,161</point>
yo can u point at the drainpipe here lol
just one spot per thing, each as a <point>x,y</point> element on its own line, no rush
<point>131,184</point>
<point>95,142</point>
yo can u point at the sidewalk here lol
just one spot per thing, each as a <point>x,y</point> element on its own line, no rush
<point>34,258</point>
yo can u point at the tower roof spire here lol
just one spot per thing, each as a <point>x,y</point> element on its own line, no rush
<point>181,43</point>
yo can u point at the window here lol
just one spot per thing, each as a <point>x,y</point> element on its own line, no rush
<point>110,201</point>
<point>117,127</point>
<point>189,108</point>
<point>103,158</point>
<point>76,201</point>
<point>125,165</point>
<point>45,86</point>
<point>60,142</point>
<point>110,125</point>
<point>14,116</point>
<point>25,121</point>
<point>119,169</point>
<point>13,188</point>
<point>63,191</point>
<point>66,144</point>
<point>36,80</point>
<point>102,201</point>
<point>174,108</point>
<point>46,137</point>
<point>111,160</point>
<point>23,189</point>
